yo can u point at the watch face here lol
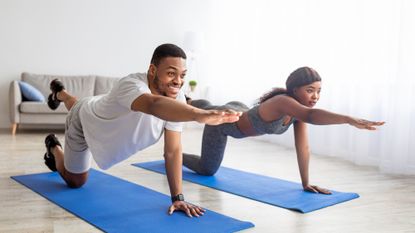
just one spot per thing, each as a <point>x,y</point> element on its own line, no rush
<point>179,197</point>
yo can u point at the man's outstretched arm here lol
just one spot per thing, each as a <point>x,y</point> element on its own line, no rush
<point>172,110</point>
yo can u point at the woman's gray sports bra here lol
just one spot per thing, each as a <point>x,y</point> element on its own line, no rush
<point>262,127</point>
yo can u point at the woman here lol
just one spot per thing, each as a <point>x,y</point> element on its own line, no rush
<point>275,113</point>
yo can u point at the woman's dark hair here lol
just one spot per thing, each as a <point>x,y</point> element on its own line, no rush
<point>298,78</point>
<point>166,50</point>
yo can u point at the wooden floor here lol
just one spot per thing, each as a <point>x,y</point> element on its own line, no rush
<point>387,203</point>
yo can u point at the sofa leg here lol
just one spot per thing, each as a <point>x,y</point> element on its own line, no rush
<point>14,127</point>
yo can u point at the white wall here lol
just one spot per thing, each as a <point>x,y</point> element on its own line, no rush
<point>105,37</point>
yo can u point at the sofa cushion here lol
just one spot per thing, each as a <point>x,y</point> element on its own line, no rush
<point>30,93</point>
<point>104,84</point>
<point>38,107</point>
<point>79,86</point>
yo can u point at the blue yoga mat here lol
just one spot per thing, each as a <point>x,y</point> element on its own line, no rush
<point>261,188</point>
<point>115,205</point>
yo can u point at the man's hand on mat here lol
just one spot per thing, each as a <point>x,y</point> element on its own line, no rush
<point>217,117</point>
<point>189,209</point>
<point>316,189</point>
<point>365,124</point>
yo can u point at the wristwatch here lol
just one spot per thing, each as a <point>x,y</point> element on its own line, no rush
<point>178,197</point>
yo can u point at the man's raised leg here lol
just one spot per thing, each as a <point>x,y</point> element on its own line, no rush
<point>67,99</point>
<point>58,95</point>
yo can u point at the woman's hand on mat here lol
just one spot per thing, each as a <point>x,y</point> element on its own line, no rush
<point>316,189</point>
<point>217,117</point>
<point>365,124</point>
<point>189,209</point>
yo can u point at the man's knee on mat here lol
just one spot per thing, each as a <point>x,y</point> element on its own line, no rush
<point>77,181</point>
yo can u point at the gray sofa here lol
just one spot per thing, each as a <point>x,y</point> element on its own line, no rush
<point>38,113</point>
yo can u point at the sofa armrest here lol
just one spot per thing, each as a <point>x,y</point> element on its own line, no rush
<point>15,98</point>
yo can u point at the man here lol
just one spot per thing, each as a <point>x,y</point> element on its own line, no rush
<point>132,116</point>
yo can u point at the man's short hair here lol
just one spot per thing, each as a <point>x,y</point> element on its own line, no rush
<point>166,50</point>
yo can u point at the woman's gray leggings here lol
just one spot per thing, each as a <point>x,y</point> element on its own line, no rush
<point>214,140</point>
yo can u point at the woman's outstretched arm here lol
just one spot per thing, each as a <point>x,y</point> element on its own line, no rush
<point>284,105</point>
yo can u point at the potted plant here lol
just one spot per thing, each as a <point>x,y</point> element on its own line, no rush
<point>192,84</point>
